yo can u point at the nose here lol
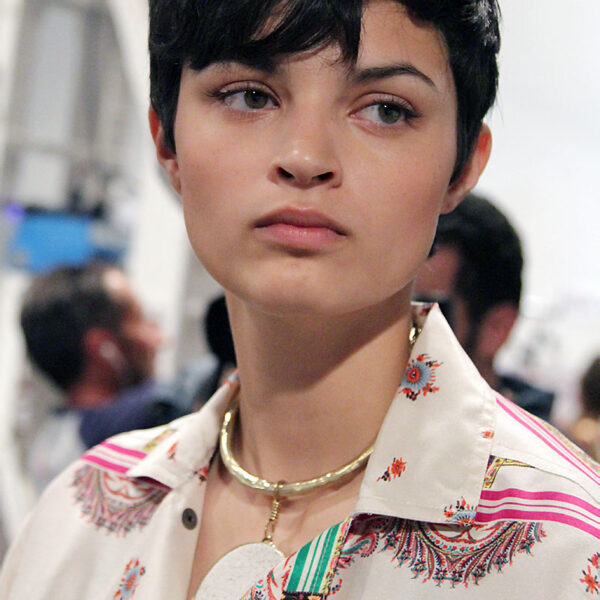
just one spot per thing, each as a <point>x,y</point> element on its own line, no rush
<point>307,155</point>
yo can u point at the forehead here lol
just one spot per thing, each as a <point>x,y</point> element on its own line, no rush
<point>388,31</point>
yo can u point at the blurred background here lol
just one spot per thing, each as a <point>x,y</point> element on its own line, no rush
<point>78,180</point>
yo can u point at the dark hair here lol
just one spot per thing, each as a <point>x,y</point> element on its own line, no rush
<point>58,309</point>
<point>200,32</point>
<point>590,388</point>
<point>491,258</point>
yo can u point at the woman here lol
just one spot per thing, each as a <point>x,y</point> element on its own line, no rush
<point>314,145</point>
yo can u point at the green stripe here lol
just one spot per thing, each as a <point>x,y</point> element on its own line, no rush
<point>313,556</point>
<point>294,580</point>
<point>324,560</point>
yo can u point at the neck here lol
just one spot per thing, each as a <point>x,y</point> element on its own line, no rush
<point>308,382</point>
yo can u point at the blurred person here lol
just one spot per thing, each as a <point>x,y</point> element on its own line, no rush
<point>585,432</point>
<point>86,331</point>
<point>475,275</point>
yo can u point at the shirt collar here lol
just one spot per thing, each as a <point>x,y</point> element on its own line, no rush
<point>430,455</point>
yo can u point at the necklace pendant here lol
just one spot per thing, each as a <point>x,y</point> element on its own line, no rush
<point>270,526</point>
<point>233,574</point>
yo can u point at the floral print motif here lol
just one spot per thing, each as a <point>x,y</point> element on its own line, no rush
<point>130,580</point>
<point>460,513</point>
<point>269,588</point>
<point>445,554</point>
<point>201,473</point>
<point>419,377</point>
<point>114,502</point>
<point>396,469</point>
<point>590,577</point>
<point>172,451</point>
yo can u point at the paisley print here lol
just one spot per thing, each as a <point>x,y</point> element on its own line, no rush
<point>114,502</point>
<point>445,554</point>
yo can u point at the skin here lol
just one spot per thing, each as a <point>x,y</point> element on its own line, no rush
<point>320,322</point>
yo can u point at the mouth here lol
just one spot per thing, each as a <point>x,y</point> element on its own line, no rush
<point>302,229</point>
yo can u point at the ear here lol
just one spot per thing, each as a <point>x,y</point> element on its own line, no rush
<point>101,347</point>
<point>166,157</point>
<point>471,172</point>
<point>495,329</point>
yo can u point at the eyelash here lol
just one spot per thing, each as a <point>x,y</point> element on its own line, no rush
<point>225,94</point>
<point>406,116</point>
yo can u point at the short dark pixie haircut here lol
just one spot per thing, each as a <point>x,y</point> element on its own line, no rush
<point>197,33</point>
<point>59,308</point>
<point>491,257</point>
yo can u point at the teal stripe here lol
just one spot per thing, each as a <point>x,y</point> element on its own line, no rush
<point>294,580</point>
<point>324,560</point>
<point>313,556</point>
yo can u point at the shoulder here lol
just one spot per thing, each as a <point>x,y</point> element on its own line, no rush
<point>536,473</point>
<point>101,515</point>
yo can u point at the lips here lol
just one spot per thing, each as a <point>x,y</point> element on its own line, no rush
<point>302,218</point>
<point>300,229</point>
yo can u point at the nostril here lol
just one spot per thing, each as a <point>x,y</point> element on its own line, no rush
<point>285,174</point>
<point>325,176</point>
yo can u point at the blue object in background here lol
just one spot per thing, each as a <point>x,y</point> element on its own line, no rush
<point>44,240</point>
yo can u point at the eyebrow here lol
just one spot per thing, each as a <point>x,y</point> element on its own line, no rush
<point>385,72</point>
<point>271,67</point>
<point>266,65</point>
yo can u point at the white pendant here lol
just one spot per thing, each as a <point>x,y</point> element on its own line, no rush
<point>233,574</point>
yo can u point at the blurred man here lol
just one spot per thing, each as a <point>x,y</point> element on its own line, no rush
<point>585,432</point>
<point>85,330</point>
<point>475,274</point>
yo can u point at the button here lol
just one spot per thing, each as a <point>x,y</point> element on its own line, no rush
<point>189,518</point>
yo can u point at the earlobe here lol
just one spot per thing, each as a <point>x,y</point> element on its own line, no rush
<point>166,157</point>
<point>472,171</point>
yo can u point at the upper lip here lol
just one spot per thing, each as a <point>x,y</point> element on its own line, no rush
<point>300,217</point>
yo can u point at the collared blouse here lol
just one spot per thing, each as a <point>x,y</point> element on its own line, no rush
<point>465,496</point>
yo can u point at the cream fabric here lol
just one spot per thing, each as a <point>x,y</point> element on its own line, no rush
<point>465,496</point>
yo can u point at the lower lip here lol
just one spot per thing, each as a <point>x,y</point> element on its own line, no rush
<point>301,238</point>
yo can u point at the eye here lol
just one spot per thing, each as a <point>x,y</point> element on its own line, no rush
<point>387,113</point>
<point>246,99</point>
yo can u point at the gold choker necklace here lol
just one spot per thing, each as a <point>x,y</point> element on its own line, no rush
<point>280,489</point>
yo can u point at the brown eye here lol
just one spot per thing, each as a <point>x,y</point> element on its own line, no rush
<point>255,99</point>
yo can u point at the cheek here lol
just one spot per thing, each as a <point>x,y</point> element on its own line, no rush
<point>400,217</point>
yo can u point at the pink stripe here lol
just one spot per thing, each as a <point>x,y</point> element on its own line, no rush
<point>558,496</point>
<point>105,463</point>
<point>556,507</point>
<point>121,450</point>
<point>590,474</point>
<point>508,515</point>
